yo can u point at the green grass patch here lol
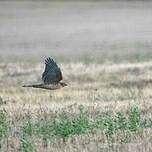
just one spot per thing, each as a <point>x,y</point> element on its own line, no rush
<point>64,126</point>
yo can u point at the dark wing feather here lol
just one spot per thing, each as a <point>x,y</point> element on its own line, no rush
<point>52,73</point>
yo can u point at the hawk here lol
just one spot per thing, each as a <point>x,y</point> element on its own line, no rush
<point>51,77</point>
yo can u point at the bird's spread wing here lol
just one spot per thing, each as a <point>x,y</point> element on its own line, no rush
<point>52,73</point>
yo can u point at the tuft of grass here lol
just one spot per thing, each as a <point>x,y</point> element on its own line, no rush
<point>4,126</point>
<point>26,137</point>
<point>27,145</point>
<point>134,119</point>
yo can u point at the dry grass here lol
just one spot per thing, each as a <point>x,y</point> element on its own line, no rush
<point>99,88</point>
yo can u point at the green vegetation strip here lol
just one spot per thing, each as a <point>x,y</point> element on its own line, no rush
<point>65,126</point>
<point>4,126</point>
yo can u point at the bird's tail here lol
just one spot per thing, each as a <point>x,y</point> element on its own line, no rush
<point>33,85</point>
<point>43,86</point>
<point>27,86</point>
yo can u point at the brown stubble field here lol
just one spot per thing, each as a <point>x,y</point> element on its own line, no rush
<point>100,89</point>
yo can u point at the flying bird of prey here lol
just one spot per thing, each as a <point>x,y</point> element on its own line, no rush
<point>51,77</point>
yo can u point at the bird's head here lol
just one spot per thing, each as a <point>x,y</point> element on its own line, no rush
<point>63,84</point>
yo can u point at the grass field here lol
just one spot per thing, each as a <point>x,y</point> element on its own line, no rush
<point>104,108</point>
<point>104,50</point>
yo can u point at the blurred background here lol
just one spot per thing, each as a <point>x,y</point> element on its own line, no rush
<point>87,31</point>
